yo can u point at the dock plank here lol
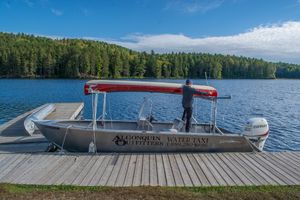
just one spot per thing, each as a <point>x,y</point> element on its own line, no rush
<point>101,169</point>
<point>269,177</point>
<point>69,176</point>
<point>183,171</point>
<point>271,170</point>
<point>146,170</point>
<point>123,171</point>
<point>168,171</point>
<point>13,166</point>
<point>274,170</point>
<point>213,169</point>
<point>175,169</point>
<point>51,169</point>
<point>190,170</point>
<point>293,158</point>
<point>230,171</point>
<point>161,176</point>
<point>7,158</point>
<point>208,174</point>
<point>219,169</point>
<point>137,179</point>
<point>19,176</point>
<point>12,163</point>
<point>247,169</point>
<point>280,171</point>
<point>131,169</point>
<point>85,170</point>
<point>286,163</point>
<point>294,153</point>
<point>60,169</point>
<point>108,170</point>
<point>31,169</point>
<point>115,171</point>
<point>286,157</point>
<point>92,172</point>
<point>153,170</point>
<point>199,172</point>
<point>38,170</point>
<point>238,170</point>
<point>3,159</point>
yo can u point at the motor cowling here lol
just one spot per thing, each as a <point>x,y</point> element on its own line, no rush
<point>257,131</point>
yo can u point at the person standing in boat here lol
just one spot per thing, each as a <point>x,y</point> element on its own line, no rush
<point>188,93</point>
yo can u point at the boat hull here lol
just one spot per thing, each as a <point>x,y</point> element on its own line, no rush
<point>78,139</point>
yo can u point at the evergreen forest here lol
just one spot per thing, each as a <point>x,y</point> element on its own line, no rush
<point>28,56</point>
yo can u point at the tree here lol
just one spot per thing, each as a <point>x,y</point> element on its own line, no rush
<point>105,64</point>
<point>115,65</point>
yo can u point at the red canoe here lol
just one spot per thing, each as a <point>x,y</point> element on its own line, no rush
<point>143,86</point>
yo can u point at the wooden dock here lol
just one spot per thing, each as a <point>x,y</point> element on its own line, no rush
<point>23,160</point>
<point>13,136</point>
<point>152,169</point>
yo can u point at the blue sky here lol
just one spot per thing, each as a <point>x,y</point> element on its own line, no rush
<point>268,29</point>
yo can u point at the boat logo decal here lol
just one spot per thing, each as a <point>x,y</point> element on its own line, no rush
<point>137,140</point>
<point>120,141</point>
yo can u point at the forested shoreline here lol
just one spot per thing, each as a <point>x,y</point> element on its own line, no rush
<point>28,56</point>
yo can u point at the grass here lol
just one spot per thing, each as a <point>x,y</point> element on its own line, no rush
<point>14,191</point>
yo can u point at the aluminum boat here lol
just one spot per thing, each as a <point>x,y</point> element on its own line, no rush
<point>145,135</point>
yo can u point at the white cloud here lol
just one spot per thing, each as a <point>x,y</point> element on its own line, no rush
<point>193,6</point>
<point>53,37</point>
<point>57,12</point>
<point>277,42</point>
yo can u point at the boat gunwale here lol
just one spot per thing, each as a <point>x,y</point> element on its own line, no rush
<point>59,124</point>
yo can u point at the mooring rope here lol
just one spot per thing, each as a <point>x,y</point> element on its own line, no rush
<point>64,140</point>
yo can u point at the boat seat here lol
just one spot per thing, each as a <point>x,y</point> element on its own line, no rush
<point>177,124</point>
<point>170,131</point>
<point>144,124</point>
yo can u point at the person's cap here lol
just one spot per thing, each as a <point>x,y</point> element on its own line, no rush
<point>188,82</point>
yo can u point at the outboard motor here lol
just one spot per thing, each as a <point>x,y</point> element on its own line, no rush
<point>257,131</point>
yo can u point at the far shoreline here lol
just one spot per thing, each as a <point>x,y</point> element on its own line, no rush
<point>135,78</point>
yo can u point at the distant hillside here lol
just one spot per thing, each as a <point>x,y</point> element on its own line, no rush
<point>31,56</point>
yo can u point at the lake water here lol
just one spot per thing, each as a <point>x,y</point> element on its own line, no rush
<point>276,100</point>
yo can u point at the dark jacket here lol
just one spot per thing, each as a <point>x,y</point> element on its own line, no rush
<point>188,96</point>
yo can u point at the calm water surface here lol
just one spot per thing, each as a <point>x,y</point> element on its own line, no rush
<point>276,100</point>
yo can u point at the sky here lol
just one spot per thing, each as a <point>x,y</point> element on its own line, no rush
<point>267,29</point>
